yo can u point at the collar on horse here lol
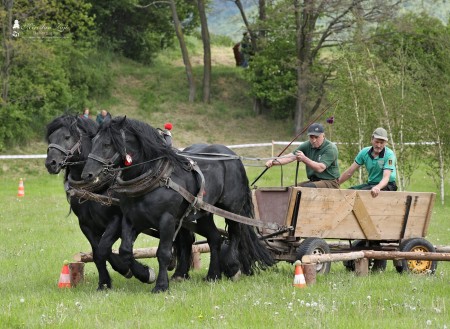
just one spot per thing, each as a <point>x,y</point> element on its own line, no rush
<point>95,186</point>
<point>152,179</point>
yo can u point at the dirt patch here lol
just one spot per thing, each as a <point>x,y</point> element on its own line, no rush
<point>220,55</point>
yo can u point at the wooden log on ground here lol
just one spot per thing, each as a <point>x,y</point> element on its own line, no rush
<point>393,246</point>
<point>138,253</point>
<point>309,270</point>
<point>76,271</point>
<point>406,255</point>
<point>362,267</point>
<point>442,248</point>
<point>324,258</point>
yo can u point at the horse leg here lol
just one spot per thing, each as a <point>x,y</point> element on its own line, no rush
<point>229,259</point>
<point>111,235</point>
<point>164,253</point>
<point>104,280</point>
<point>183,250</point>
<point>140,271</point>
<point>207,228</point>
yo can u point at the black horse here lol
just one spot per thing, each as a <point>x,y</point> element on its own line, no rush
<point>149,198</point>
<point>69,139</point>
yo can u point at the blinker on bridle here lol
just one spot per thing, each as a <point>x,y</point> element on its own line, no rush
<point>108,163</point>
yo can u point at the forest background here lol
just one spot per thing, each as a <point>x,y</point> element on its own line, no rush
<point>353,64</point>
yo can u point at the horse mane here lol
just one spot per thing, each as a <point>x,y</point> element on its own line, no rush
<point>151,144</point>
<point>72,122</point>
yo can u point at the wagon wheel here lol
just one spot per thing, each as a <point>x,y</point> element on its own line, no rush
<point>315,246</point>
<point>375,265</point>
<point>416,266</point>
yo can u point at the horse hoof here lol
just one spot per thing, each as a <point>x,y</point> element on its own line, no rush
<point>180,278</point>
<point>128,275</point>
<point>236,276</point>
<point>103,286</point>
<point>151,275</point>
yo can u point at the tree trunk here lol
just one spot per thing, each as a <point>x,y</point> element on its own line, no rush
<point>440,152</point>
<point>7,50</point>
<point>184,51</point>
<point>206,52</point>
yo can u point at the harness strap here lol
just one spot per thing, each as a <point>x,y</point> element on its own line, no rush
<point>146,182</point>
<point>106,162</point>
<point>200,204</point>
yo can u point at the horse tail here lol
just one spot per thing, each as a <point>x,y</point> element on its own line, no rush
<point>253,255</point>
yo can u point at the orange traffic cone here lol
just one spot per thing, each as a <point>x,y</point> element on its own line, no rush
<point>299,278</point>
<point>64,277</point>
<point>21,191</point>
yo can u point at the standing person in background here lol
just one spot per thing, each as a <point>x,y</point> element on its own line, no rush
<point>86,113</point>
<point>246,49</point>
<point>320,157</point>
<point>379,161</point>
<point>103,116</point>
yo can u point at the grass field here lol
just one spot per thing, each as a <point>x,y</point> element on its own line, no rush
<point>38,235</point>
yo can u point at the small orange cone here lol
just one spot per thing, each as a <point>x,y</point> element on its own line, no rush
<point>21,191</point>
<point>299,278</point>
<point>64,277</point>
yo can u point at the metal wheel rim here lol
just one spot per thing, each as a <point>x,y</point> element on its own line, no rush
<point>419,266</point>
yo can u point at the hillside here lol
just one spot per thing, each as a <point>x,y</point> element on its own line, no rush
<point>159,94</point>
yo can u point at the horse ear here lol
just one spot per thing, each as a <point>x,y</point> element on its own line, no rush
<point>122,121</point>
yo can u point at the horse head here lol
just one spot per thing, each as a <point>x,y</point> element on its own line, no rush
<point>130,146</point>
<point>69,138</point>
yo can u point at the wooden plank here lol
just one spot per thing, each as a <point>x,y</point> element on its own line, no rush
<point>429,212</point>
<point>340,214</point>
<point>320,209</point>
<point>410,255</point>
<point>324,258</point>
<point>138,253</point>
<point>373,254</point>
<point>364,220</point>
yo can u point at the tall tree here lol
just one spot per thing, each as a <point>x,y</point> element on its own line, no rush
<point>318,26</point>
<point>206,52</point>
<point>184,50</point>
<point>7,48</point>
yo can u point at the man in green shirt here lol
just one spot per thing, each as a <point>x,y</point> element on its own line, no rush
<point>379,161</point>
<point>320,157</point>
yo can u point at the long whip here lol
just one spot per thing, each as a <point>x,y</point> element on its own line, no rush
<point>298,135</point>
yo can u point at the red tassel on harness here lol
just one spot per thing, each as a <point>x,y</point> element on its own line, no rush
<point>128,160</point>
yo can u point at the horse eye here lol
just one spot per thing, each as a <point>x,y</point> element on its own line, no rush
<point>67,137</point>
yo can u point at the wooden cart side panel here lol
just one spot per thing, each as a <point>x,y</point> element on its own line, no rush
<point>321,209</point>
<point>365,221</point>
<point>429,213</point>
<point>389,208</point>
<point>271,205</point>
<point>336,217</point>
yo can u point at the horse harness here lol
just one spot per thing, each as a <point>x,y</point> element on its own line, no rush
<point>160,177</point>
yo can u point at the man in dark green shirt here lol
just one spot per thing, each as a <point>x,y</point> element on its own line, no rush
<point>320,157</point>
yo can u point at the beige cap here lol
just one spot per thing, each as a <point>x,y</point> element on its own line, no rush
<point>380,133</point>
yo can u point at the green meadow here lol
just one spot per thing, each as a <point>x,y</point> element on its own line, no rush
<point>39,233</point>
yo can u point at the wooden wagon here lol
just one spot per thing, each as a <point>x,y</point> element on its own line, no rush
<point>323,221</point>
